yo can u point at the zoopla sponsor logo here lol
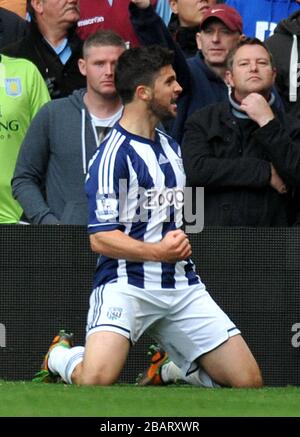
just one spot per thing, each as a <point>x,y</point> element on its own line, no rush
<point>162,204</point>
<point>2,335</point>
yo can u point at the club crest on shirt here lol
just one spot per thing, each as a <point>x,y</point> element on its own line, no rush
<point>13,87</point>
<point>114,313</point>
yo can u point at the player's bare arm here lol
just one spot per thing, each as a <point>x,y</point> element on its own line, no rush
<point>174,247</point>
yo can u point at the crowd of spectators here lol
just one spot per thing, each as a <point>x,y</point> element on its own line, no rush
<point>202,33</point>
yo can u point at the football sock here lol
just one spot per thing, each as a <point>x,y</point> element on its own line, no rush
<point>63,361</point>
<point>200,378</point>
<point>172,373</point>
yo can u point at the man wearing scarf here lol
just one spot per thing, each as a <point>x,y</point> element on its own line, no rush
<point>245,152</point>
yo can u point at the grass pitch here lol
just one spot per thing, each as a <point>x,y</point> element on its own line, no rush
<point>27,399</point>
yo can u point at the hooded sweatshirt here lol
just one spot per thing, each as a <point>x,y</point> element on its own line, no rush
<point>260,17</point>
<point>52,164</point>
<point>285,48</point>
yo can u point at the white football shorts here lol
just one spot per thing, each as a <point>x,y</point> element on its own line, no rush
<point>186,323</point>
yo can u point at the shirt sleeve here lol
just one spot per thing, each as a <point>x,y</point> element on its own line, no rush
<point>107,188</point>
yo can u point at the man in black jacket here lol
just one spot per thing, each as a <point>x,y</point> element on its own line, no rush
<point>245,152</point>
<point>52,44</point>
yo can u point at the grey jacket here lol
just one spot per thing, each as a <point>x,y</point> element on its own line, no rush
<point>50,172</point>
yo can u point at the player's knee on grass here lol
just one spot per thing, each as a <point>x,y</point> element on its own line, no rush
<point>103,375</point>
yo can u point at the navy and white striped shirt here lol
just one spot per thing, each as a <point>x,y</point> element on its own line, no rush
<point>136,185</point>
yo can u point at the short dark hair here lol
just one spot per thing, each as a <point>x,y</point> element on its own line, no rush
<point>247,42</point>
<point>139,66</point>
<point>103,37</point>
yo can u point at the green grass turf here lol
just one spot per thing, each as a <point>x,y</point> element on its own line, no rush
<point>26,399</point>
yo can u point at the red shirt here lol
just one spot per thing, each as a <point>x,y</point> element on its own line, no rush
<point>99,14</point>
